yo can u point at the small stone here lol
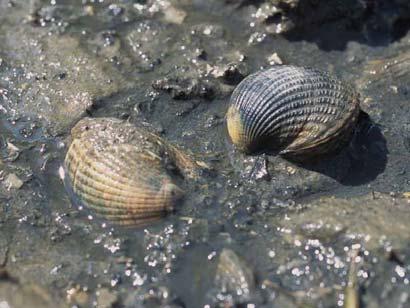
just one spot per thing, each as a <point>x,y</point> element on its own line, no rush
<point>274,59</point>
<point>231,73</point>
<point>406,194</point>
<point>290,170</point>
<point>77,296</point>
<point>174,15</point>
<point>261,170</point>
<point>115,9</point>
<point>394,89</point>
<point>12,181</point>
<point>106,298</point>
<point>13,152</point>
<point>89,10</point>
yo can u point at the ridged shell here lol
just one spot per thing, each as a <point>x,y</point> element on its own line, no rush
<point>123,172</point>
<point>293,111</point>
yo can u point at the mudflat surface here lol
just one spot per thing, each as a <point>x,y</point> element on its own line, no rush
<point>255,229</point>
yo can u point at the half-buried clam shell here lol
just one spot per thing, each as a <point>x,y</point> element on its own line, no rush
<point>125,173</point>
<point>293,111</point>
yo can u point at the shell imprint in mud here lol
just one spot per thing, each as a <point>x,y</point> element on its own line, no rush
<point>293,111</point>
<point>125,173</point>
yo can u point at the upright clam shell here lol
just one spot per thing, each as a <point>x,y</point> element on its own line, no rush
<point>123,172</point>
<point>293,111</point>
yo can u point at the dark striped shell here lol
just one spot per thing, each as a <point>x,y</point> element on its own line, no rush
<point>292,111</point>
<point>125,173</point>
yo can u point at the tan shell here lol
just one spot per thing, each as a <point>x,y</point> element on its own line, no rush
<point>125,173</point>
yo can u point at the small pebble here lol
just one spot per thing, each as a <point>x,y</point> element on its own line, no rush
<point>106,298</point>
<point>12,181</point>
<point>274,59</point>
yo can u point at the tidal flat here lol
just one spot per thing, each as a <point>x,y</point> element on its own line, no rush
<point>253,230</point>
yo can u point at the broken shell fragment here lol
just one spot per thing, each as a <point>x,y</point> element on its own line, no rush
<point>292,111</point>
<point>124,173</point>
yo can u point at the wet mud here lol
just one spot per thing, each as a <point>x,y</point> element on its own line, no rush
<point>254,229</point>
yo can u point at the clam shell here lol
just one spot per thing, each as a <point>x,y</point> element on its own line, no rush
<point>125,173</point>
<point>292,111</point>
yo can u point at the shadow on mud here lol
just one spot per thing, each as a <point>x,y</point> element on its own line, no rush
<point>361,161</point>
<point>332,24</point>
